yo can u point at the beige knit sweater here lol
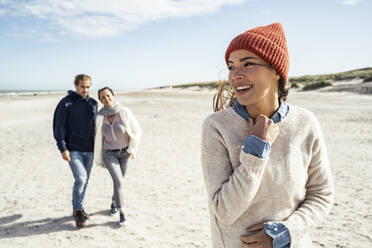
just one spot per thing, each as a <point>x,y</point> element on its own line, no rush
<point>132,127</point>
<point>293,186</point>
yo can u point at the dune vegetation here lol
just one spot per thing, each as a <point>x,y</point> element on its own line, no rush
<point>308,82</point>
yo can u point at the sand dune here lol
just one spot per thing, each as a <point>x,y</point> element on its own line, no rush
<point>166,203</point>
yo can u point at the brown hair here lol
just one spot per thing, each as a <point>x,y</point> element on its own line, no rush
<point>225,96</point>
<point>105,88</point>
<point>82,77</point>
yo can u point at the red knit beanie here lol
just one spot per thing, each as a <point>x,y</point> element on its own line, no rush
<point>268,42</point>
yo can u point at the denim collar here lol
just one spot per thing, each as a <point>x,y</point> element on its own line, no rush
<point>277,117</point>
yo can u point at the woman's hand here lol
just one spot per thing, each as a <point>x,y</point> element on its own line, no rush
<point>258,240</point>
<point>264,128</point>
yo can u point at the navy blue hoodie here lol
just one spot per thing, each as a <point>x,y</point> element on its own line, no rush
<point>74,123</point>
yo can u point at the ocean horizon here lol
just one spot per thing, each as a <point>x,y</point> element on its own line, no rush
<point>12,93</point>
<point>5,93</point>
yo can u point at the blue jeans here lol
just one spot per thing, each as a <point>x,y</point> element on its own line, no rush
<point>81,165</point>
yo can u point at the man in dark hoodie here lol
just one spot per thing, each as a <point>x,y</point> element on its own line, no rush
<point>74,130</point>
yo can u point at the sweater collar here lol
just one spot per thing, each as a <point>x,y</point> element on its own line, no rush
<point>76,96</point>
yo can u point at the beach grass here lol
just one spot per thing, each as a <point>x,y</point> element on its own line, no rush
<point>308,82</point>
<point>317,85</point>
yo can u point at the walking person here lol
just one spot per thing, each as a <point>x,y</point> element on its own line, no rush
<point>117,138</point>
<point>264,161</point>
<point>74,130</point>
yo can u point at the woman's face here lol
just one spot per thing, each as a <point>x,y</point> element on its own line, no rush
<point>254,81</point>
<point>106,98</point>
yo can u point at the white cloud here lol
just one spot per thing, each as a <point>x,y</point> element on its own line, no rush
<point>101,18</point>
<point>266,12</point>
<point>2,12</point>
<point>48,38</point>
<point>351,2</point>
<point>20,35</point>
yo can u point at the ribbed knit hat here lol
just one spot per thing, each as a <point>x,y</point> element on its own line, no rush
<point>268,42</point>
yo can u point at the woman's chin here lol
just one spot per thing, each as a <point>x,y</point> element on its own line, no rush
<point>244,101</point>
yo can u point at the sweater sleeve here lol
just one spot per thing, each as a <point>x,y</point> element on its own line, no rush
<point>98,159</point>
<point>136,129</point>
<point>230,192</point>
<point>59,126</point>
<point>319,191</point>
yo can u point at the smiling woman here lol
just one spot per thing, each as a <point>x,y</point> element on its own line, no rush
<point>117,138</point>
<point>264,161</point>
<point>254,81</point>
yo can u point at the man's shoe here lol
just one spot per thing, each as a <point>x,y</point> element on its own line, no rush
<point>113,209</point>
<point>122,219</point>
<point>80,219</point>
<point>86,215</point>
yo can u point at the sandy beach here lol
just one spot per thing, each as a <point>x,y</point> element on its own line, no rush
<point>166,203</point>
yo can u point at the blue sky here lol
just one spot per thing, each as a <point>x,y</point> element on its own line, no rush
<point>138,44</point>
